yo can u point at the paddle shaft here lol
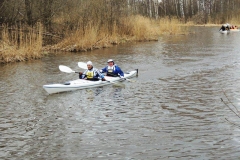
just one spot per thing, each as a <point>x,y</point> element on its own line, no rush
<point>66,69</point>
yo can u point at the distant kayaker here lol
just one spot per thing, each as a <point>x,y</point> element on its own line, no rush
<point>228,26</point>
<point>223,28</point>
<point>91,73</point>
<point>232,27</point>
<point>112,69</point>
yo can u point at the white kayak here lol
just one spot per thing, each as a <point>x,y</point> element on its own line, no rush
<point>224,32</point>
<point>234,30</point>
<point>228,31</point>
<point>81,83</point>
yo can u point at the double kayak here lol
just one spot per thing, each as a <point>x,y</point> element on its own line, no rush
<point>234,30</point>
<point>82,83</point>
<point>228,31</point>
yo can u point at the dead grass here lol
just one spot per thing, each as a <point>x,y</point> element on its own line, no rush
<point>138,28</point>
<point>20,44</point>
<point>27,43</point>
<point>171,26</point>
<point>133,28</point>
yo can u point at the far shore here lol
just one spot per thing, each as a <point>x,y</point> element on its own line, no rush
<point>212,25</point>
<point>30,44</point>
<point>25,45</point>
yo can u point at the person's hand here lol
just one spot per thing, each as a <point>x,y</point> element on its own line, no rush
<point>103,79</point>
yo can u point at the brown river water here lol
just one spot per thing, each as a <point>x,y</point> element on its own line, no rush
<point>172,110</point>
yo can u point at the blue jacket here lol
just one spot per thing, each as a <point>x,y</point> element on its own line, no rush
<point>115,71</point>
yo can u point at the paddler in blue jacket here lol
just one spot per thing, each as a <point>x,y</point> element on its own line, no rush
<point>112,69</point>
<point>91,73</point>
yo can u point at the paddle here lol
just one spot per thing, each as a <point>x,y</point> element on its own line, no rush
<point>84,66</point>
<point>66,69</point>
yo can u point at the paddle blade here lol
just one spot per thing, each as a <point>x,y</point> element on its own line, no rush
<point>129,80</point>
<point>82,65</point>
<point>66,69</point>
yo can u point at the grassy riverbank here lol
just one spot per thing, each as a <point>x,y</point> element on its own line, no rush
<point>20,44</point>
<point>135,28</point>
<point>25,43</point>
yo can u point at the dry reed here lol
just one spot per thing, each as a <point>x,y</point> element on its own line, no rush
<point>171,26</point>
<point>20,44</point>
<point>27,43</point>
<point>133,28</point>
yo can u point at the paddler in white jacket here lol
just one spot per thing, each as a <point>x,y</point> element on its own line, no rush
<point>91,73</point>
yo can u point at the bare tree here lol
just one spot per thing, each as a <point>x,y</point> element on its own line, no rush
<point>1,11</point>
<point>28,8</point>
<point>181,8</point>
<point>82,13</point>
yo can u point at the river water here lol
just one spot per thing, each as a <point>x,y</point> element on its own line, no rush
<point>172,110</point>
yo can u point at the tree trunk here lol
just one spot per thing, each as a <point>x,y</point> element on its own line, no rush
<point>149,8</point>
<point>181,9</point>
<point>47,13</point>
<point>221,2</point>
<point>155,9</point>
<point>1,6</point>
<point>176,6</point>
<point>192,9</point>
<point>28,8</point>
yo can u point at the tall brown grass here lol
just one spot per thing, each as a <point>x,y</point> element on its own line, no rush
<point>231,17</point>
<point>171,26</point>
<point>83,41</point>
<point>138,28</point>
<point>133,28</point>
<point>27,43</point>
<point>20,43</point>
<point>235,20</point>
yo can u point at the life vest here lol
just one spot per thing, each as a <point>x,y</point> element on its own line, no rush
<point>90,74</point>
<point>110,71</point>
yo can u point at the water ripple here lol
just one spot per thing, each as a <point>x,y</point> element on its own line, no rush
<point>172,110</point>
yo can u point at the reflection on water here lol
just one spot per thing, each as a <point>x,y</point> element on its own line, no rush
<point>172,110</point>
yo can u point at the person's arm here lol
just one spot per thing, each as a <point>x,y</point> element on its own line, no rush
<point>120,72</point>
<point>80,75</point>
<point>83,75</point>
<point>104,70</point>
<point>100,75</point>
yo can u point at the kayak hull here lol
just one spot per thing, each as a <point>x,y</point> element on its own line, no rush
<point>234,30</point>
<point>228,31</point>
<point>82,83</point>
<point>224,32</point>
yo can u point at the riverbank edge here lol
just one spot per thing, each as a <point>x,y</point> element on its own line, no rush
<point>105,43</point>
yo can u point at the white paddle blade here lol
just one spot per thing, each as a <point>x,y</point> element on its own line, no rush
<point>66,69</point>
<point>82,65</point>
